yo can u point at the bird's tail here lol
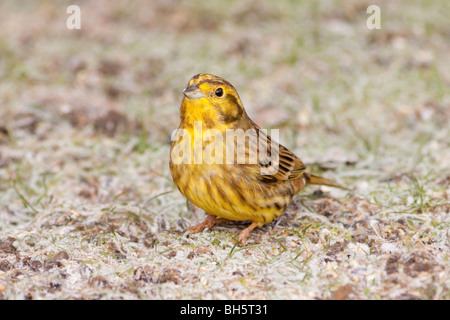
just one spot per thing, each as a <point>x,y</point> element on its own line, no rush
<point>313,179</point>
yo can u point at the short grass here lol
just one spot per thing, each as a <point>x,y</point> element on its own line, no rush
<point>88,209</point>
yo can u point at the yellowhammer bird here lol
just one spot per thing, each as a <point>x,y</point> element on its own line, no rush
<point>217,179</point>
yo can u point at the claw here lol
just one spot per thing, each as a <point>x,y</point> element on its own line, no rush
<point>209,222</point>
<point>243,235</point>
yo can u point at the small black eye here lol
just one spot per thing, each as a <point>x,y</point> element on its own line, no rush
<point>219,92</point>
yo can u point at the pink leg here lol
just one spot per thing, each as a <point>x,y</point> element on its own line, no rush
<point>243,235</point>
<point>209,222</point>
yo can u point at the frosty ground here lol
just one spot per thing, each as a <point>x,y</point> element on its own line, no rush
<point>88,209</point>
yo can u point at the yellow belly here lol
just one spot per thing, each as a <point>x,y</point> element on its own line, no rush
<point>230,191</point>
<point>230,194</point>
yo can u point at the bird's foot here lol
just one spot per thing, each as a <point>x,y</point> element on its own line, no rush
<point>243,235</point>
<point>209,222</point>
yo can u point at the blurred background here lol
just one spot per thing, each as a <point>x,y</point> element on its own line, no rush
<point>98,104</point>
<point>312,65</point>
<point>98,98</point>
<point>85,122</point>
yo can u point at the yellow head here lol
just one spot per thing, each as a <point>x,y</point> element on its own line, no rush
<point>212,100</point>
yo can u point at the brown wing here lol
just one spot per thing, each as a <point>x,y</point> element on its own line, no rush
<point>289,165</point>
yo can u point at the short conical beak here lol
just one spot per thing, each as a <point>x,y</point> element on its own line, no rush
<point>193,92</point>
